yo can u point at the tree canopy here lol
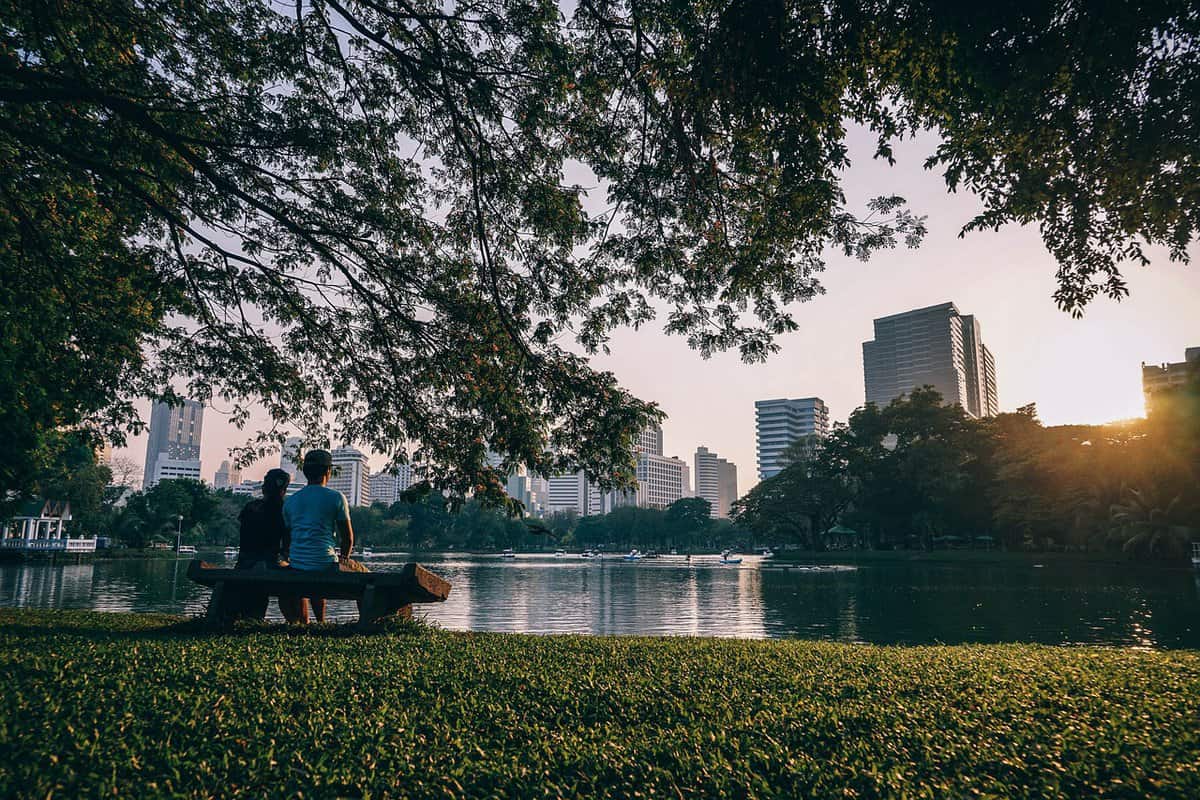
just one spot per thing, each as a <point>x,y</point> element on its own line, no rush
<point>391,214</point>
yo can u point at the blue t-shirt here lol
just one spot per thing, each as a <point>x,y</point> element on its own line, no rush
<point>312,514</point>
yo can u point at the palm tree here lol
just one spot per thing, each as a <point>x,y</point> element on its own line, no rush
<point>1142,522</point>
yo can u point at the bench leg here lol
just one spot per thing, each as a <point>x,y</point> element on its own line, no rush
<point>217,603</point>
<point>375,606</point>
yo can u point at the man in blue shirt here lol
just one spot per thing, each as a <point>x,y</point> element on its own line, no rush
<point>318,520</point>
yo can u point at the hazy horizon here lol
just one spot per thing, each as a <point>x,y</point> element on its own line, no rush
<point>1076,370</point>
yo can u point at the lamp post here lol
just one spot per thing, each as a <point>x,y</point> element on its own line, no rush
<point>178,531</point>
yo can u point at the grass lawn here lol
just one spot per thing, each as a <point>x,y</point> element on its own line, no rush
<point>146,706</point>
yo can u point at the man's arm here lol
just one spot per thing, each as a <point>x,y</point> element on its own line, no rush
<point>345,537</point>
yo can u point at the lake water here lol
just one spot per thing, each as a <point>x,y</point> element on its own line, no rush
<point>889,603</point>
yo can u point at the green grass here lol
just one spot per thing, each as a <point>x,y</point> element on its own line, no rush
<point>148,706</point>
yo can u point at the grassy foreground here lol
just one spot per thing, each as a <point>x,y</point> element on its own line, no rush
<point>142,705</point>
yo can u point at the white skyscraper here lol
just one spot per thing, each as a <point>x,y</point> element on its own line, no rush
<point>351,475</point>
<point>227,476</point>
<point>716,481</point>
<point>779,423</point>
<point>387,486</point>
<point>572,491</point>
<point>173,449</point>
<point>935,346</point>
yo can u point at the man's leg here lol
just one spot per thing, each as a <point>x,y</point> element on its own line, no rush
<point>294,609</point>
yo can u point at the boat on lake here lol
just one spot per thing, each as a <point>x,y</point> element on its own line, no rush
<point>508,553</point>
<point>589,554</point>
<point>186,550</point>
<point>1196,555</point>
<point>728,557</point>
<point>368,552</point>
<point>231,552</point>
<point>634,555</point>
<point>559,553</point>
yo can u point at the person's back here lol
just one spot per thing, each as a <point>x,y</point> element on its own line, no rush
<point>311,515</point>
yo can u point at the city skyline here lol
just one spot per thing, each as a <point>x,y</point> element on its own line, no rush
<point>1084,370</point>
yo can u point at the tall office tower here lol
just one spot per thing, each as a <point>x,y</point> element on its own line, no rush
<point>650,440</point>
<point>716,482</point>
<point>387,486</point>
<point>351,475</point>
<point>779,423</point>
<point>227,476</point>
<point>572,491</point>
<point>173,450</point>
<point>290,459</point>
<point>1162,381</point>
<point>662,480</point>
<point>935,346</point>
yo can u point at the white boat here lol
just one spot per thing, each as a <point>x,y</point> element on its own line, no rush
<point>1196,555</point>
<point>231,552</point>
<point>767,553</point>
<point>368,552</point>
<point>186,550</point>
<point>589,554</point>
<point>559,553</point>
<point>727,557</point>
<point>674,551</point>
<point>633,555</point>
<point>508,553</point>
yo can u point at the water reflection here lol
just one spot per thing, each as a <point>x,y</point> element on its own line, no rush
<point>899,603</point>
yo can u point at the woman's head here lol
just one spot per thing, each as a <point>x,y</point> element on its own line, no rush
<point>275,484</point>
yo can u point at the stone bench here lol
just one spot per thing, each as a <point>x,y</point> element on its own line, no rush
<point>379,594</point>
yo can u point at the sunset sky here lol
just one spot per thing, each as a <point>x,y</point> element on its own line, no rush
<point>1085,370</point>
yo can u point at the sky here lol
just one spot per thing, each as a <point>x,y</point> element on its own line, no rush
<point>1076,370</point>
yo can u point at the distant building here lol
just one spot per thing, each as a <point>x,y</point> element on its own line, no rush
<point>289,458</point>
<point>662,480</point>
<point>716,481</point>
<point>779,423</point>
<point>173,449</point>
<point>1166,377</point>
<point>935,346</point>
<point>387,486</point>
<point>227,476</point>
<point>254,488</point>
<point>572,491</point>
<point>351,475</point>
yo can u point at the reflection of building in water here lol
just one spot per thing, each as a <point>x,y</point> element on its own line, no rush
<point>46,586</point>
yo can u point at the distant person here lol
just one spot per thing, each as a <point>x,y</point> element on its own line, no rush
<point>317,519</point>
<point>262,540</point>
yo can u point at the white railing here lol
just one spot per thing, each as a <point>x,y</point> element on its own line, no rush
<point>49,545</point>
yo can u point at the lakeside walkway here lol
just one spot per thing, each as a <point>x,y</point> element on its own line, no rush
<point>97,704</point>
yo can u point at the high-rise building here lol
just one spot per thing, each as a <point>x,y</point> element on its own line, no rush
<point>289,458</point>
<point>351,475</point>
<point>779,423</point>
<point>227,476</point>
<point>572,491</point>
<point>662,480</point>
<point>935,346</point>
<point>1157,380</point>
<point>650,440</point>
<point>173,449</point>
<point>387,486</point>
<point>716,482</point>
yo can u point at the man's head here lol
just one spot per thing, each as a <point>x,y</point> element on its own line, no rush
<point>318,464</point>
<point>275,484</point>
